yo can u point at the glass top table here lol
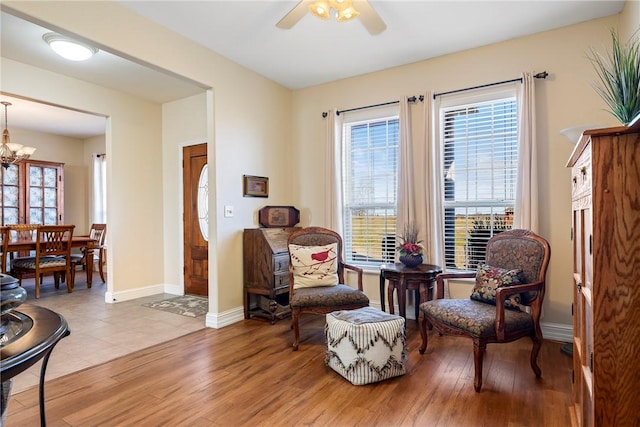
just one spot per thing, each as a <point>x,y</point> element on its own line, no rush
<point>27,334</point>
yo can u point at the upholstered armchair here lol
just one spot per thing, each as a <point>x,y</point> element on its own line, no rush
<point>316,276</point>
<point>505,303</point>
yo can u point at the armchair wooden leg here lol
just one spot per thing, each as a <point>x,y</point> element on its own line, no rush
<point>537,344</point>
<point>296,329</point>
<point>423,332</point>
<point>478,356</point>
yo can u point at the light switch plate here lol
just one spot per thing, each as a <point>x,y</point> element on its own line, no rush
<point>228,211</point>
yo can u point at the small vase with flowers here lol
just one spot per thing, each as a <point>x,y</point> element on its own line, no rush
<point>410,249</point>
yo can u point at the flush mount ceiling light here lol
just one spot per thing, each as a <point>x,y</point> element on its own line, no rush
<point>344,10</point>
<point>69,48</point>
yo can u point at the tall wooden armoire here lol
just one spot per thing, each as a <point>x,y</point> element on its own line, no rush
<point>605,180</point>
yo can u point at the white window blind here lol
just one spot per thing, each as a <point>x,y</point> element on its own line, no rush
<point>370,181</point>
<point>480,159</point>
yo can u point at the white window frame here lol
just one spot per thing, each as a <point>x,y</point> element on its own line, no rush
<point>375,234</point>
<point>498,209</point>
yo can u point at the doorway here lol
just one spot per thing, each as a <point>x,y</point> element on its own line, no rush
<point>196,219</point>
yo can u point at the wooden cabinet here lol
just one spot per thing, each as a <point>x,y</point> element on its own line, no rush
<point>605,179</point>
<point>32,193</point>
<point>266,272</point>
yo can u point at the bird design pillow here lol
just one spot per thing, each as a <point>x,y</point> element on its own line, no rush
<point>314,265</point>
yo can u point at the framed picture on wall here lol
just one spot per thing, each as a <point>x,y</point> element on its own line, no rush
<point>255,186</point>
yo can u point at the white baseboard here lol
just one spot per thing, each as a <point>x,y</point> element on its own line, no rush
<point>127,295</point>
<point>557,332</point>
<point>220,320</point>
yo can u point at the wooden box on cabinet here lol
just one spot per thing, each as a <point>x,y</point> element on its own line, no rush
<point>266,272</point>
<point>605,179</point>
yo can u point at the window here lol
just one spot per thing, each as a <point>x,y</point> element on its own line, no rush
<point>370,181</point>
<point>480,160</point>
<point>99,188</point>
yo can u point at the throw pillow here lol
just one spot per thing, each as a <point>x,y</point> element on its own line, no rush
<point>314,265</point>
<point>488,279</point>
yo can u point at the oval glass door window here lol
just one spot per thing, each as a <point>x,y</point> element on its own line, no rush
<point>203,202</point>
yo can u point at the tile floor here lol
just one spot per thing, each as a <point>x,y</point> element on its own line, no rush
<point>99,331</point>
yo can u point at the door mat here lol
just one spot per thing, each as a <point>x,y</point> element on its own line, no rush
<point>186,305</point>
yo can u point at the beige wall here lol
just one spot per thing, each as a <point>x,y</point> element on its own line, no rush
<point>565,99</point>
<point>630,19</point>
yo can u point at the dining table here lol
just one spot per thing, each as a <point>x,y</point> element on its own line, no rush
<point>25,245</point>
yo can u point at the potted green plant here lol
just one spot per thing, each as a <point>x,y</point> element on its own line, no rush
<point>410,248</point>
<point>619,77</point>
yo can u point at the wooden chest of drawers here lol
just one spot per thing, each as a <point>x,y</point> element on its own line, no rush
<point>266,272</point>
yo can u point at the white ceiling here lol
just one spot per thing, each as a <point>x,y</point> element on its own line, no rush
<point>316,51</point>
<point>311,53</point>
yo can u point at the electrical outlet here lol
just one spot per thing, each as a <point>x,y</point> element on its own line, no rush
<point>228,211</point>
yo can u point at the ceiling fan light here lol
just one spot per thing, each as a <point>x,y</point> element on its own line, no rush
<point>69,48</point>
<point>347,14</point>
<point>320,8</point>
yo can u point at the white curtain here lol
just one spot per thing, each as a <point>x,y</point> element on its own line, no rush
<point>333,162</point>
<point>526,210</point>
<point>432,205</point>
<point>99,214</point>
<point>407,179</point>
<point>419,186</point>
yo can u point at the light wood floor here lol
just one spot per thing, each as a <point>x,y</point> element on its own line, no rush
<point>99,331</point>
<point>246,375</point>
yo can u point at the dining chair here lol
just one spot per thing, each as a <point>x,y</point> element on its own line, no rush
<point>52,255</point>
<point>19,232</point>
<point>97,232</point>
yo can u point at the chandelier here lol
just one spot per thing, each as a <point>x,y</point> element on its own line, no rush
<point>11,152</point>
<point>344,10</point>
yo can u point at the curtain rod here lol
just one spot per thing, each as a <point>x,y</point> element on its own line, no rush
<point>542,75</point>
<point>410,99</point>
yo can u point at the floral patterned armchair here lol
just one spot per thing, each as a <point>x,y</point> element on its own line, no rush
<point>316,276</point>
<point>505,304</point>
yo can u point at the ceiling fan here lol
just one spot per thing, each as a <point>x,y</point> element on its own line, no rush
<point>345,10</point>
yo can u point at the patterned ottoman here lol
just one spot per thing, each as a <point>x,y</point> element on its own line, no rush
<point>365,345</point>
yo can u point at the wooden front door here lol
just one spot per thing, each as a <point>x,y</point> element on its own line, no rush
<point>196,220</point>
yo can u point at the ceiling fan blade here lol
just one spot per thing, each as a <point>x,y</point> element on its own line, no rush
<point>369,17</point>
<point>294,15</point>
